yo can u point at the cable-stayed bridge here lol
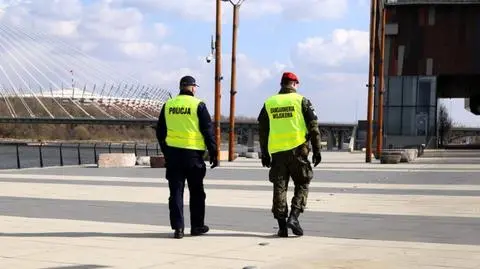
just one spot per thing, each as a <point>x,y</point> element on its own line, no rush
<point>44,79</point>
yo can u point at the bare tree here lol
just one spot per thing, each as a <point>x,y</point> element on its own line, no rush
<point>444,125</point>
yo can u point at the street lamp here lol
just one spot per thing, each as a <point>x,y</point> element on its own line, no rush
<point>233,80</point>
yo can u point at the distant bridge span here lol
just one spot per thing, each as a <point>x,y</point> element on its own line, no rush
<point>333,132</point>
<point>138,121</point>
<point>462,131</point>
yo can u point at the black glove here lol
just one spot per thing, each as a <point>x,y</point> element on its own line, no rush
<point>316,159</point>
<point>266,160</point>
<point>213,160</point>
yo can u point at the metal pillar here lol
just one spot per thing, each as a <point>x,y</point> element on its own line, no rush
<point>251,140</point>
<point>218,61</point>
<point>330,139</point>
<point>340,140</point>
<point>381,83</point>
<point>371,92</point>
<point>233,91</point>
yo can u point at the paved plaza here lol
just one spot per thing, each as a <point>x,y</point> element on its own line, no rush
<point>424,214</point>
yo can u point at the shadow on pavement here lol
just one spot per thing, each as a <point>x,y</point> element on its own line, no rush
<point>239,235</point>
<point>130,235</point>
<point>89,234</point>
<point>86,266</point>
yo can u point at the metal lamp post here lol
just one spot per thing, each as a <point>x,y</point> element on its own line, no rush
<point>218,78</point>
<point>371,93</point>
<point>381,80</point>
<point>233,80</point>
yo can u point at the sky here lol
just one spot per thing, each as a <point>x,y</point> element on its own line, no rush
<point>325,42</point>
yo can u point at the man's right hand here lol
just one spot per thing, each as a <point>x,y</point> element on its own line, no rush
<point>266,162</point>
<point>213,160</point>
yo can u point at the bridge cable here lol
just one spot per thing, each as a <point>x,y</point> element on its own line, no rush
<point>30,74</point>
<point>76,104</point>
<point>68,50</point>
<point>82,56</point>
<point>149,103</point>
<point>15,58</point>
<point>41,55</point>
<point>8,104</point>
<point>22,100</point>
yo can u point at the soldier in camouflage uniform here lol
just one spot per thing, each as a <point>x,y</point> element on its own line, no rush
<point>289,157</point>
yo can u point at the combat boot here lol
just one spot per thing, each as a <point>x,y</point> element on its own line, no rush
<point>293,223</point>
<point>282,228</point>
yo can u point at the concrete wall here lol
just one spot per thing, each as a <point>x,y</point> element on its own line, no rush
<point>401,141</point>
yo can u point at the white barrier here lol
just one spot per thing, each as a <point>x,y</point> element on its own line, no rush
<point>106,160</point>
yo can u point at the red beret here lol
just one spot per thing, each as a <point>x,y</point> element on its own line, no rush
<point>290,76</point>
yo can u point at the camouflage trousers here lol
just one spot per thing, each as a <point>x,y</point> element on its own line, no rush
<point>284,165</point>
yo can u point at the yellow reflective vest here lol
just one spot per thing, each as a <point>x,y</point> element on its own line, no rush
<point>183,128</point>
<point>287,125</point>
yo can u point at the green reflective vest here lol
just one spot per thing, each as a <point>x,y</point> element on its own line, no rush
<point>287,125</point>
<point>183,128</point>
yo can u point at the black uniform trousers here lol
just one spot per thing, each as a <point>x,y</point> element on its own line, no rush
<point>193,171</point>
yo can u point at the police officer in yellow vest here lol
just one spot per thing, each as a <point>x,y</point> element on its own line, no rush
<point>287,122</point>
<point>184,132</point>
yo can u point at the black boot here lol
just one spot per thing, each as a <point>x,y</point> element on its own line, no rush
<point>199,230</point>
<point>178,233</point>
<point>282,228</point>
<point>293,223</point>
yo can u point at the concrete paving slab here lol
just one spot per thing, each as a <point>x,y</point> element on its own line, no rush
<point>220,249</point>
<point>366,217</point>
<point>260,199</point>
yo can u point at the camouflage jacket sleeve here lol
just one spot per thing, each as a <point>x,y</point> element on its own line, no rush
<point>311,121</point>
<point>264,129</point>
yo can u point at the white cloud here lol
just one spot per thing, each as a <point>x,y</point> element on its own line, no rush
<point>343,47</point>
<point>308,10</point>
<point>161,29</point>
<point>61,28</point>
<point>88,46</point>
<point>57,9</point>
<point>333,94</point>
<point>302,10</point>
<point>279,67</point>
<point>170,77</point>
<point>104,21</point>
<point>333,73</point>
<point>139,49</point>
<point>10,3</point>
<point>261,8</point>
<point>188,9</point>
<point>252,73</point>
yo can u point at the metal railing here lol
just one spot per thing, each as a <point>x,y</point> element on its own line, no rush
<point>22,155</point>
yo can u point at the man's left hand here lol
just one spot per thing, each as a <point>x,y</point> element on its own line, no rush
<point>316,159</point>
<point>266,162</point>
<point>213,161</point>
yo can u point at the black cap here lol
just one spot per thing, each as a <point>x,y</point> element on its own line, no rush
<point>188,81</point>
